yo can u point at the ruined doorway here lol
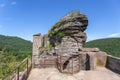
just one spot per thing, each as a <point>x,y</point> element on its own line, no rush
<point>69,64</point>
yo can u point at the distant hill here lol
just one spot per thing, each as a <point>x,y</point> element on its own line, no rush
<point>14,43</point>
<point>109,45</point>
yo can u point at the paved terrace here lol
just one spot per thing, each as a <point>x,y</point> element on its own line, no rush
<point>100,73</point>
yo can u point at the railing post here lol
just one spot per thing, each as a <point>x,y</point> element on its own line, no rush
<point>27,67</point>
<point>18,69</point>
<point>31,61</point>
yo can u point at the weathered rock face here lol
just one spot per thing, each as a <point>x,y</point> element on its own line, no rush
<point>68,34</point>
<point>69,46</point>
<point>73,23</point>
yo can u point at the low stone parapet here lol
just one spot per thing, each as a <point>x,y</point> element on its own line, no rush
<point>113,64</point>
<point>94,58</point>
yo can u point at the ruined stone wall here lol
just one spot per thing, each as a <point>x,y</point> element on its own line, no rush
<point>69,63</point>
<point>94,58</point>
<point>69,46</point>
<point>37,43</point>
<point>67,37</point>
<point>48,61</point>
<point>46,40</point>
<point>113,64</point>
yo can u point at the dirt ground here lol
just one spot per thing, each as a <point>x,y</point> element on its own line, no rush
<point>100,73</point>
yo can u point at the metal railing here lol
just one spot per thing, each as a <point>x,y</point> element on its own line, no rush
<point>20,72</point>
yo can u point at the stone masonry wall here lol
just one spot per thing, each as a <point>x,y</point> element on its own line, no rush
<point>37,39</point>
<point>94,58</point>
<point>46,40</point>
<point>69,46</point>
<point>113,64</point>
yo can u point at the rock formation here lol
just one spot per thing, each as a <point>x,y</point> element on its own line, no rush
<point>65,42</point>
<point>68,34</point>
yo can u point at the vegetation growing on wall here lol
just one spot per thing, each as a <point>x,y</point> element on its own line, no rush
<point>60,34</point>
<point>49,47</point>
<point>55,40</point>
<point>73,13</point>
<point>55,36</point>
<point>43,42</point>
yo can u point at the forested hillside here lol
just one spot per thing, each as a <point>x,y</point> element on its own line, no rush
<point>109,45</point>
<point>12,51</point>
<point>14,43</point>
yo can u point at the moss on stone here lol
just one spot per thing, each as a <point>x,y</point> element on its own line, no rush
<point>60,34</point>
<point>49,47</point>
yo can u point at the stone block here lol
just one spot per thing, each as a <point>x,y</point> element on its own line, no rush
<point>83,61</point>
<point>90,49</point>
<point>101,58</point>
<point>92,60</point>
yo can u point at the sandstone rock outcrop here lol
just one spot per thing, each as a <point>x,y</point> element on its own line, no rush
<point>68,34</point>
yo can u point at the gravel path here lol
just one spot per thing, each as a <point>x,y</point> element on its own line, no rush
<point>53,74</point>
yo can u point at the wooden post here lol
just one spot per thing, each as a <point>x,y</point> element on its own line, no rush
<point>18,69</point>
<point>27,68</point>
<point>32,61</point>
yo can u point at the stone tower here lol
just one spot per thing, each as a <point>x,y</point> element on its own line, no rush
<point>37,43</point>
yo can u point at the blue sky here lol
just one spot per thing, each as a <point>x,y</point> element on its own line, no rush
<point>23,18</point>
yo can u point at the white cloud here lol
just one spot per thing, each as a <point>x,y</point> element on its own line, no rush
<point>5,4</point>
<point>2,5</point>
<point>114,35</point>
<point>13,3</point>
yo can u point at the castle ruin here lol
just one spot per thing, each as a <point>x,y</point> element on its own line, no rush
<point>63,47</point>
